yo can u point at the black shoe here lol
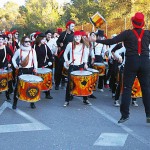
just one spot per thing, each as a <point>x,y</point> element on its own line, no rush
<point>71,97</point>
<point>56,87</point>
<point>123,119</point>
<point>86,102</point>
<point>32,105</point>
<point>92,96</point>
<point>14,106</point>
<point>66,104</point>
<point>8,100</point>
<point>48,97</point>
<point>148,119</point>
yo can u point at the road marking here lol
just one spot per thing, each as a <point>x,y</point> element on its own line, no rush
<point>32,126</point>
<point>111,139</point>
<point>125,128</point>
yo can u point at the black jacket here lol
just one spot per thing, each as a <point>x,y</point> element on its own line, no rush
<point>130,42</point>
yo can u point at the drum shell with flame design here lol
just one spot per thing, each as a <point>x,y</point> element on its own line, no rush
<point>3,80</point>
<point>95,75</point>
<point>100,67</point>
<point>46,75</point>
<point>136,89</point>
<point>29,90</point>
<point>81,83</point>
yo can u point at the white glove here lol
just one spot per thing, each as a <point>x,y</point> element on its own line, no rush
<point>49,63</point>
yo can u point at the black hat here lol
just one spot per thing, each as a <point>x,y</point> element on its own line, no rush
<point>41,35</point>
<point>48,31</point>
<point>100,33</point>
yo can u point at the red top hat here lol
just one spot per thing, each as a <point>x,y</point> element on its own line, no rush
<point>69,22</point>
<point>138,20</point>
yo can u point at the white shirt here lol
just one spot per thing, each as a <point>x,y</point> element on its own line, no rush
<point>25,52</point>
<point>118,54</point>
<point>77,52</point>
<point>100,49</point>
<point>52,45</point>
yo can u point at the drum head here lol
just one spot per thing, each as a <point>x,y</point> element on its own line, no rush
<point>43,70</point>
<point>30,78</point>
<point>99,64</point>
<point>81,73</point>
<point>92,70</point>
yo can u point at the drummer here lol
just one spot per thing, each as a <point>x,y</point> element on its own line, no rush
<point>26,66</point>
<point>4,64</point>
<point>99,51</point>
<point>44,56</point>
<point>78,52</point>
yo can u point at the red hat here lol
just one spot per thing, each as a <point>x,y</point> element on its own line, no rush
<point>14,31</point>
<point>7,32</point>
<point>83,33</point>
<point>69,22</point>
<point>36,34</point>
<point>59,30</point>
<point>76,33</point>
<point>138,20</point>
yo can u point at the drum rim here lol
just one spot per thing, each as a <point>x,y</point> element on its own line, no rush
<point>41,80</point>
<point>80,74</point>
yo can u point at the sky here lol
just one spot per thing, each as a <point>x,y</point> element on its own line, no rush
<point>22,2</point>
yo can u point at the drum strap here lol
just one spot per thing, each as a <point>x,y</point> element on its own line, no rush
<point>27,56</point>
<point>4,54</point>
<point>73,53</point>
<point>139,37</point>
<point>46,57</point>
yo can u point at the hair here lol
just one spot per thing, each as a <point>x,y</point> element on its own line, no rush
<point>1,36</point>
<point>23,39</point>
<point>38,40</point>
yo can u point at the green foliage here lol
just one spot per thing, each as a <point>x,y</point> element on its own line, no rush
<point>48,14</point>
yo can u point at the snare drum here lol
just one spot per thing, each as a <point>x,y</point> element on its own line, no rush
<point>94,77</point>
<point>136,89</point>
<point>81,83</point>
<point>100,67</point>
<point>3,80</point>
<point>10,76</point>
<point>46,75</point>
<point>29,88</point>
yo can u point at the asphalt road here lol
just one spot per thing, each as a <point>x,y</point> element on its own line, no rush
<point>78,127</point>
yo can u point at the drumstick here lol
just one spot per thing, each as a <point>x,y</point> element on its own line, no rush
<point>71,62</point>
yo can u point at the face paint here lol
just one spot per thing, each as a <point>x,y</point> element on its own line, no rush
<point>77,38</point>
<point>43,40</point>
<point>48,36</point>
<point>71,27</point>
<point>16,35</point>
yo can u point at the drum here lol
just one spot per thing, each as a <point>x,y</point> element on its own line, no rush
<point>29,88</point>
<point>100,67</point>
<point>3,80</point>
<point>136,89</point>
<point>81,83</point>
<point>46,75</point>
<point>94,77</point>
<point>10,76</point>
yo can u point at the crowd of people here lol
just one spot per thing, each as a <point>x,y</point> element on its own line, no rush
<point>124,57</point>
